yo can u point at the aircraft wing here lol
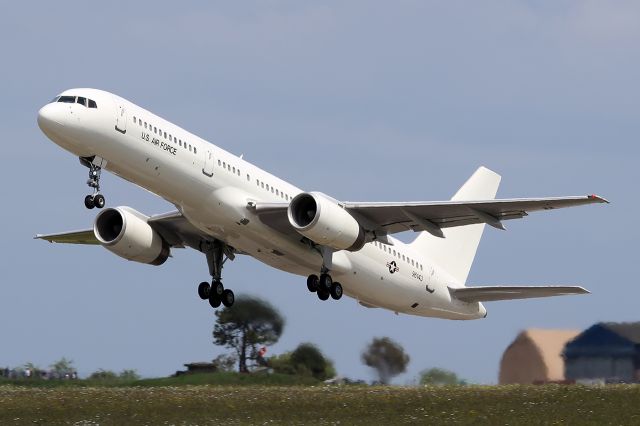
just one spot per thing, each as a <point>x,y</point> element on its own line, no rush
<point>430,216</point>
<point>493,293</point>
<point>433,216</point>
<point>173,227</point>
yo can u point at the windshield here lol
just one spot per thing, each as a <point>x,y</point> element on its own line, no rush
<point>76,100</point>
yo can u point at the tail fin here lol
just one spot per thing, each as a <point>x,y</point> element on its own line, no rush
<point>456,251</point>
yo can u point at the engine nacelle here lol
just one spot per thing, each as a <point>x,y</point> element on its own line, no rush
<point>321,219</point>
<point>126,233</point>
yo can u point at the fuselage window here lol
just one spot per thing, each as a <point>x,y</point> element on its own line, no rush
<point>189,147</point>
<point>82,101</point>
<point>67,99</point>
<point>170,138</point>
<point>92,104</point>
<point>267,187</point>
<point>145,124</point>
<point>135,120</point>
<point>248,178</point>
<point>165,135</point>
<point>155,129</point>
<point>277,192</point>
<point>258,182</point>
<point>194,150</point>
<point>394,252</point>
<point>262,185</point>
<point>272,190</point>
<point>219,162</point>
<point>234,170</point>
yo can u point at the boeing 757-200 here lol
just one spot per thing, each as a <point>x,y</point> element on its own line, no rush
<point>225,207</point>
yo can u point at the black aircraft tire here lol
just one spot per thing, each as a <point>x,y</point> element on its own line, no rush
<point>88,202</point>
<point>203,290</point>
<point>325,282</point>
<point>312,283</point>
<point>336,291</point>
<point>323,295</point>
<point>214,301</point>
<point>228,298</point>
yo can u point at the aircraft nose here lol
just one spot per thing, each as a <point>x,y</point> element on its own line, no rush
<point>49,117</point>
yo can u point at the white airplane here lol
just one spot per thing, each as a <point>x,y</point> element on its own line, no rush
<point>226,206</point>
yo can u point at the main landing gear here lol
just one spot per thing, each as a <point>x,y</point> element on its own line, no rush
<point>96,199</point>
<point>324,286</point>
<point>217,254</point>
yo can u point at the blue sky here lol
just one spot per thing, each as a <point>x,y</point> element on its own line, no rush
<point>363,100</point>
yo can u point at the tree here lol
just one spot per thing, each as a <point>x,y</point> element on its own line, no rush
<point>62,368</point>
<point>103,374</point>
<point>129,375</point>
<point>440,376</point>
<point>249,323</point>
<point>225,362</point>
<point>386,357</point>
<point>305,360</point>
<point>308,357</point>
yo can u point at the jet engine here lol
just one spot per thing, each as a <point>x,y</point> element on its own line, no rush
<point>321,219</point>
<point>126,233</point>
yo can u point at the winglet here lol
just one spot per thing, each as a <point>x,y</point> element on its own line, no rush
<point>598,199</point>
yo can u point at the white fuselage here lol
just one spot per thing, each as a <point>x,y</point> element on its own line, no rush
<point>212,188</point>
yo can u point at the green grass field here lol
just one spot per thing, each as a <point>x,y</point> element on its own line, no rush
<point>154,403</point>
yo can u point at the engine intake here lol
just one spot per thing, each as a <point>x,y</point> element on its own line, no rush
<point>125,232</point>
<point>321,219</point>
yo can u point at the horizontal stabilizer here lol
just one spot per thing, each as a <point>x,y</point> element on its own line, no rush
<point>85,236</point>
<point>492,293</point>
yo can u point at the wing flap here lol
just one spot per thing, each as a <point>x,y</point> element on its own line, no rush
<point>494,293</point>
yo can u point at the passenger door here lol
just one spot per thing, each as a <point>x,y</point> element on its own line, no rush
<point>121,119</point>
<point>208,163</point>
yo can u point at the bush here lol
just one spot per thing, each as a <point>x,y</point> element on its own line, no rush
<point>305,360</point>
<point>440,376</point>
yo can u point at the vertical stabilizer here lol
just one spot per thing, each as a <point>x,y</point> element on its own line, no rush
<point>456,251</point>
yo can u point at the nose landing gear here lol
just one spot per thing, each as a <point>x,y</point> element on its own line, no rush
<point>96,199</point>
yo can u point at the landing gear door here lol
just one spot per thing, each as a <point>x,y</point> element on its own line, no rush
<point>208,163</point>
<point>121,119</point>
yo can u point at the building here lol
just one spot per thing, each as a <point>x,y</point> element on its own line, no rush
<point>606,352</point>
<point>535,356</point>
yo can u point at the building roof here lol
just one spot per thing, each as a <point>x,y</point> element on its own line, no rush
<point>535,355</point>
<point>628,330</point>
<point>550,344</point>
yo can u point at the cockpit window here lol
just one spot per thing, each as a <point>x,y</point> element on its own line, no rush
<point>92,104</point>
<point>82,101</point>
<point>55,99</point>
<point>67,99</point>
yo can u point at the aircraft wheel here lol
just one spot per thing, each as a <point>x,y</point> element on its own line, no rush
<point>88,202</point>
<point>323,295</point>
<point>325,283</point>
<point>228,298</point>
<point>203,290</point>
<point>336,291</point>
<point>214,300</point>
<point>312,283</point>
<point>99,201</point>
<point>217,288</point>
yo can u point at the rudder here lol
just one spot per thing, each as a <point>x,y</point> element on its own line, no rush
<point>455,252</point>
